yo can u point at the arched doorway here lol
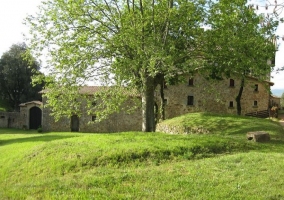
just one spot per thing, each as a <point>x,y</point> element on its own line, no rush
<point>75,123</point>
<point>35,118</point>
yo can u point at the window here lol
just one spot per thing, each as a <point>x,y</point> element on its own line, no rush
<point>256,87</point>
<point>190,82</point>
<point>94,117</point>
<point>255,103</point>
<point>94,103</point>
<point>232,83</point>
<point>165,101</point>
<point>231,104</point>
<point>2,117</point>
<point>190,100</point>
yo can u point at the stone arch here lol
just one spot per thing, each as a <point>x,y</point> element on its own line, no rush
<point>35,117</point>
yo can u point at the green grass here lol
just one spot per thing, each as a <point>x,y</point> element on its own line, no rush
<point>135,165</point>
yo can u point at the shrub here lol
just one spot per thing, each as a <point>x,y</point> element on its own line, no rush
<point>39,130</point>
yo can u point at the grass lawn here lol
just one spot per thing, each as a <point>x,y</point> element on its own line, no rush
<point>221,164</point>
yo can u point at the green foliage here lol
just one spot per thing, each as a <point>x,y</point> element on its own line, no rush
<point>238,44</point>
<point>39,130</point>
<point>17,67</point>
<point>125,43</point>
<point>141,44</point>
<point>4,105</point>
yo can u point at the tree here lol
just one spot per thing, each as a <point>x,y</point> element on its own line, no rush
<point>15,76</point>
<point>282,101</point>
<point>238,44</point>
<point>139,43</point>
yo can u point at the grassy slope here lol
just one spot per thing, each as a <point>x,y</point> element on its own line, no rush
<point>219,165</point>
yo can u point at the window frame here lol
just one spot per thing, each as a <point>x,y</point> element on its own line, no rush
<point>232,82</point>
<point>190,82</point>
<point>256,88</point>
<point>190,100</point>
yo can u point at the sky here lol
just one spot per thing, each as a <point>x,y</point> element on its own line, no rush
<point>12,13</point>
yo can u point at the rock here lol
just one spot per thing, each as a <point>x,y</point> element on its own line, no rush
<point>258,136</point>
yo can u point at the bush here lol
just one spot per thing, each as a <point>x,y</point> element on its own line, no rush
<point>39,130</point>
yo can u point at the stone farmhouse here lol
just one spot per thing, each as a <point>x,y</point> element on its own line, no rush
<point>196,94</point>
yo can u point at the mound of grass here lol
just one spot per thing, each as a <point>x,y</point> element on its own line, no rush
<point>135,165</point>
<point>226,125</point>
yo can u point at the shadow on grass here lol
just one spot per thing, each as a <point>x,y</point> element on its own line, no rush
<point>42,138</point>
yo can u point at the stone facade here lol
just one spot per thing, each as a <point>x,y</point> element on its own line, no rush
<point>199,94</point>
<point>10,120</point>
<point>118,122</point>
<point>275,101</point>
<point>20,119</point>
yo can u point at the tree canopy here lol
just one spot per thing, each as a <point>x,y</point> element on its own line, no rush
<point>17,67</point>
<point>239,43</point>
<point>140,44</point>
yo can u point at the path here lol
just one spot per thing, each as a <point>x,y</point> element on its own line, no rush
<point>281,119</point>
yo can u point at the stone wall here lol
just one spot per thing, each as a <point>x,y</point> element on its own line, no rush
<point>118,122</point>
<point>18,119</point>
<point>215,96</point>
<point>10,120</point>
<point>275,101</point>
<point>206,96</point>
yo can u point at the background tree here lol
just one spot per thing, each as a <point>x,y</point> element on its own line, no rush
<point>238,45</point>
<point>17,67</point>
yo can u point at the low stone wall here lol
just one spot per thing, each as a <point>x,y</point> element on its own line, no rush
<point>10,120</point>
<point>172,129</point>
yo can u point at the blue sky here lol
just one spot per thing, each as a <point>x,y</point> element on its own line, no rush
<point>12,13</point>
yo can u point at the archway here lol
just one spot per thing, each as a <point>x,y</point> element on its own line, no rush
<point>75,123</point>
<point>35,118</point>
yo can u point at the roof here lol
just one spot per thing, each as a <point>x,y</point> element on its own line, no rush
<point>31,102</point>
<point>89,90</point>
<point>276,97</point>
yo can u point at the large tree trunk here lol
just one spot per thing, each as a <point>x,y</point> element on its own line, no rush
<point>163,117</point>
<point>238,98</point>
<point>148,103</point>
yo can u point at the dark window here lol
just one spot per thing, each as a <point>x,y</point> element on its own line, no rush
<point>255,103</point>
<point>232,83</point>
<point>2,117</point>
<point>231,104</point>
<point>94,103</point>
<point>190,100</point>
<point>190,81</point>
<point>256,87</point>
<point>165,101</point>
<point>94,117</point>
